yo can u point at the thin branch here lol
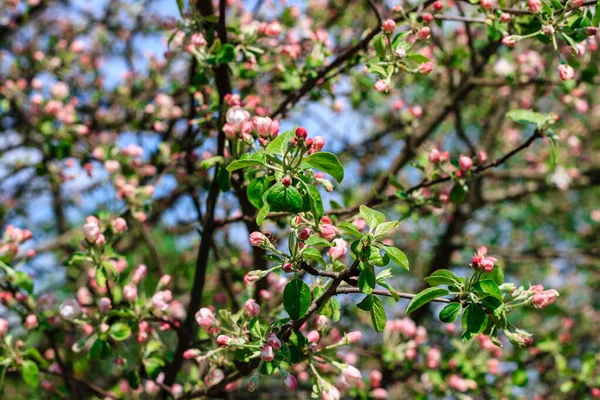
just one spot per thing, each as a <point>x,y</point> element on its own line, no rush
<point>383,292</point>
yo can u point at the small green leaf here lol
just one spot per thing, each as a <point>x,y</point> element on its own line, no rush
<point>425,297</point>
<point>366,280</point>
<point>372,217</point>
<point>279,144</point>
<point>366,303</point>
<point>379,45</point>
<point>296,298</point>
<point>316,241</point>
<point>119,331</point>
<point>497,275</point>
<point>152,366</point>
<point>378,317</point>
<point>386,285</point>
<point>350,229</point>
<point>458,193</point>
<point>255,191</point>
<point>450,313</point>
<point>316,204</point>
<point>384,228</point>
<point>311,253</point>
<point>443,277</point>
<point>248,160</point>
<point>326,162</point>
<point>281,198</point>
<point>101,276</point>
<point>262,214</point>
<point>418,58</point>
<point>526,116</point>
<point>226,54</point>
<point>31,373</point>
<point>474,320</point>
<point>210,162</point>
<point>397,256</point>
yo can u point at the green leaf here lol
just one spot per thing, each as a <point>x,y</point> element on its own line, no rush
<point>450,313</point>
<point>474,320</point>
<point>379,45</point>
<point>397,256</point>
<point>488,286</point>
<point>458,193</point>
<point>384,228</point>
<point>443,277</point>
<point>526,116</point>
<point>316,204</point>
<point>378,317</point>
<point>101,276</point>
<point>226,54</point>
<point>281,198</point>
<point>366,280</point>
<point>255,191</point>
<point>596,19</point>
<point>497,275</point>
<point>383,275</point>
<point>316,241</point>
<point>248,160</point>
<point>386,285</point>
<point>119,331</point>
<point>210,162</point>
<point>262,214</point>
<point>23,280</point>
<point>372,217</point>
<point>425,297</point>
<point>350,229</point>
<point>366,303</point>
<point>418,58</point>
<point>279,144</point>
<point>31,373</point>
<point>296,298</point>
<point>152,366</point>
<point>326,162</point>
<point>311,253</point>
<point>99,350</point>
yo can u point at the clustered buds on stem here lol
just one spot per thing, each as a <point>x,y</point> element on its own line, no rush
<point>481,261</point>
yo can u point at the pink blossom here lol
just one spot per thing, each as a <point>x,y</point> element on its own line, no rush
<point>388,26</point>
<point>352,375</point>
<point>3,327</point>
<point>267,354</point>
<point>251,308</point>
<point>328,232</point>
<point>274,341</point>
<point>224,340</point>
<point>545,298</point>
<point>130,292</point>
<point>381,86</point>
<point>424,33</point>
<point>426,68</point>
<point>339,250</point>
<point>465,162</point>
<point>290,383</point>
<point>313,336</point>
<point>354,336</point>
<point>91,232</point>
<point>258,239</point>
<point>31,322</point>
<point>566,72</point>
<point>535,6</point>
<point>205,318</point>
<point>119,225</point>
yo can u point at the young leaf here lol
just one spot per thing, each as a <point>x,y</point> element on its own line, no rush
<point>296,298</point>
<point>386,285</point>
<point>316,241</point>
<point>450,313</point>
<point>281,198</point>
<point>326,162</point>
<point>350,229</point>
<point>366,303</point>
<point>384,228</point>
<point>316,204</point>
<point>372,217</point>
<point>255,191</point>
<point>262,214</point>
<point>443,277</point>
<point>526,116</point>
<point>474,320</point>
<point>397,256</point>
<point>311,253</point>
<point>425,297</point>
<point>251,160</point>
<point>31,373</point>
<point>366,280</point>
<point>458,193</point>
<point>378,317</point>
<point>497,275</point>
<point>379,45</point>
<point>119,331</point>
<point>278,145</point>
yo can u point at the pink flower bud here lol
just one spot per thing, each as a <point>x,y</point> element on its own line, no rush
<point>388,26</point>
<point>339,250</point>
<point>566,72</point>
<point>165,281</point>
<point>509,41</point>
<point>465,162</point>
<point>3,327</point>
<point>376,377</point>
<point>258,239</point>
<point>287,181</point>
<point>427,18</point>
<point>191,354</point>
<point>266,354</point>
<point>505,17</point>
<point>119,225</point>
<point>304,234</point>
<point>139,273</point>
<point>205,318</point>
<point>301,133</point>
<point>274,341</point>
<point>287,267</point>
<point>130,292</point>
<point>488,263</point>
<point>318,143</point>
<point>352,375</point>
<point>426,68</point>
<point>576,3</point>
<point>251,308</point>
<point>273,29</point>
<point>434,156</point>
<point>224,340</point>
<point>438,5</point>
<point>313,336</point>
<point>380,86</point>
<point>486,4</point>
<point>31,322</point>
<point>424,33</point>
<point>328,232</point>
<point>91,232</point>
<point>535,6</point>
<point>290,383</point>
<point>354,336</point>
<point>330,393</point>
<point>104,305</point>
